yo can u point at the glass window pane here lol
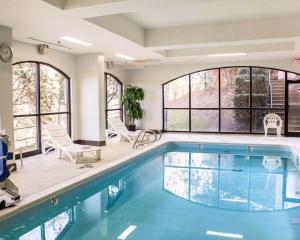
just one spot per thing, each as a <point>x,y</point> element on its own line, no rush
<point>25,131</point>
<point>294,107</point>
<point>53,90</point>
<point>177,120</point>
<point>178,159</point>
<point>268,88</point>
<point>205,89</point>
<point>261,91</point>
<point>293,76</point>
<point>235,120</point>
<point>258,117</point>
<point>205,120</point>
<point>204,160</point>
<point>61,119</point>
<point>235,87</point>
<point>293,185</point>
<point>113,93</point>
<point>234,162</point>
<point>176,180</point>
<point>176,93</point>
<point>35,234</point>
<point>115,113</point>
<point>265,191</point>
<point>233,193</point>
<point>24,88</point>
<point>55,226</point>
<point>204,186</point>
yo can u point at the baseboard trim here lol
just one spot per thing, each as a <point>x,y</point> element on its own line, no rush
<point>92,143</point>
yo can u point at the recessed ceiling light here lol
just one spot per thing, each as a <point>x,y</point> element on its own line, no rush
<point>127,232</point>
<point>223,234</point>
<point>226,55</point>
<point>75,40</point>
<point>125,57</point>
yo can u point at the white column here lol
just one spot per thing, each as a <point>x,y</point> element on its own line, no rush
<point>6,90</point>
<point>91,104</point>
<point>102,100</point>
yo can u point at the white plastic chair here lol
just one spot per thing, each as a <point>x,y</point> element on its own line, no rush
<point>62,142</point>
<point>118,127</point>
<point>273,121</point>
<point>272,162</point>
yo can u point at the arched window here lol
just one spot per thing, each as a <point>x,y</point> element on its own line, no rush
<point>41,95</point>
<point>113,92</point>
<point>231,99</point>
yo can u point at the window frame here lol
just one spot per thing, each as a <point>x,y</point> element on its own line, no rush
<point>38,115</point>
<point>219,108</point>
<point>106,75</point>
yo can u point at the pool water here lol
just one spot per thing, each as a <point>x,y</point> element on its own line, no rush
<point>177,191</point>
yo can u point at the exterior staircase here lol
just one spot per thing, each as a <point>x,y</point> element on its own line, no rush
<point>278,98</point>
<point>278,94</point>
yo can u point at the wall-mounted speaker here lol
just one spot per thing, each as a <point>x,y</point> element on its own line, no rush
<point>43,49</point>
<point>109,64</point>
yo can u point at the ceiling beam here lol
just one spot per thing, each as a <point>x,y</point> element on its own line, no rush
<point>251,31</point>
<point>250,48</point>
<point>96,8</point>
<point>121,25</point>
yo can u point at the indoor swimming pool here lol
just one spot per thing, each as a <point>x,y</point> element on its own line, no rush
<point>177,191</point>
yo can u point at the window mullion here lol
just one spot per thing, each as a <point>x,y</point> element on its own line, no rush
<point>38,91</point>
<point>190,104</point>
<point>250,94</point>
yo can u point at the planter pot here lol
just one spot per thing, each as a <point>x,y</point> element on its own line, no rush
<point>131,128</point>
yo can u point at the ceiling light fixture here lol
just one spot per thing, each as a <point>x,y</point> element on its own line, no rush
<point>227,55</point>
<point>127,232</point>
<point>75,40</point>
<point>125,57</point>
<point>223,234</point>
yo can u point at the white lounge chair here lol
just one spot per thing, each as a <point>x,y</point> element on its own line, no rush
<point>62,142</point>
<point>118,128</point>
<point>273,121</point>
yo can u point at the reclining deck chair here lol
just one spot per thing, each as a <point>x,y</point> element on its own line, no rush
<point>117,127</point>
<point>62,142</point>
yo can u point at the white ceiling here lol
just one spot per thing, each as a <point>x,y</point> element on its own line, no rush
<point>213,11</point>
<point>161,31</point>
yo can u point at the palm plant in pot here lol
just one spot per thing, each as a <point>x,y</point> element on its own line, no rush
<point>132,97</point>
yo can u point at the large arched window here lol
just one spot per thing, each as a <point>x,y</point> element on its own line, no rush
<point>113,91</point>
<point>41,95</point>
<point>231,99</point>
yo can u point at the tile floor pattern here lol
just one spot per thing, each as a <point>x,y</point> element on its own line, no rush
<point>40,173</point>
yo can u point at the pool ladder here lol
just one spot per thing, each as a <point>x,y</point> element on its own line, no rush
<point>200,147</point>
<point>140,139</point>
<point>250,148</point>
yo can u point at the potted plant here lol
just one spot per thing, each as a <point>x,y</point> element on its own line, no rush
<point>132,97</point>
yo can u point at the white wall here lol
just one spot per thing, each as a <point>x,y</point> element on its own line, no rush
<point>90,74</point>
<point>66,62</point>
<point>81,69</point>
<point>152,77</point>
<point>6,99</point>
<point>119,72</point>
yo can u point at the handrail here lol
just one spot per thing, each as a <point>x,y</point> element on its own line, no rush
<point>140,142</point>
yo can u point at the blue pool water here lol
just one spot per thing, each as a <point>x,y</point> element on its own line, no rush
<point>177,191</point>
